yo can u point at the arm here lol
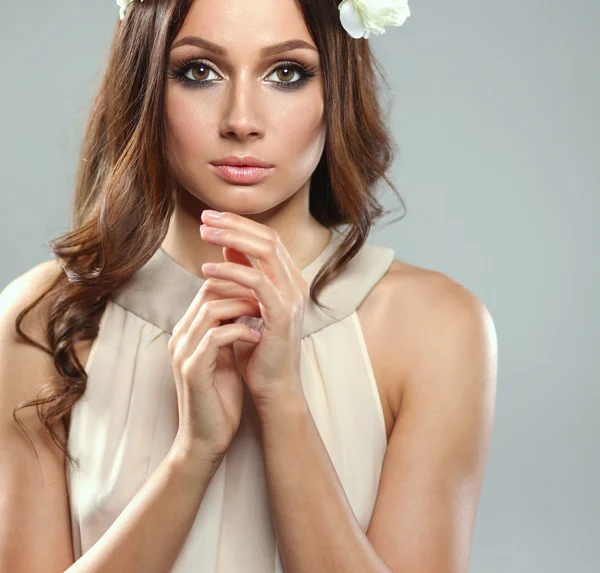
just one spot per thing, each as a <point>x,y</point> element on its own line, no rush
<point>35,529</point>
<point>433,469</point>
<point>316,527</point>
<point>150,532</point>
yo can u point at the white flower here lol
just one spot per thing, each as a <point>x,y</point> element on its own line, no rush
<point>361,17</point>
<point>123,7</point>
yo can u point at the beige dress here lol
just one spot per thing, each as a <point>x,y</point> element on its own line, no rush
<point>126,421</point>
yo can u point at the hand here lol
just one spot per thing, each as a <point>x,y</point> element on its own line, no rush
<point>209,387</point>
<point>271,368</point>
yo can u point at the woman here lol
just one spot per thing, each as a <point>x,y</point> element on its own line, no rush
<point>310,404</point>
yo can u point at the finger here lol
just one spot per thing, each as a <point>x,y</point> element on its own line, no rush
<point>266,293</point>
<point>210,316</point>
<point>269,253</point>
<point>203,360</point>
<point>232,256</point>
<point>211,289</point>
<point>228,220</point>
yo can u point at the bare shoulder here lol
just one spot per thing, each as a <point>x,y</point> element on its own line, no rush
<point>423,289</point>
<point>18,358</point>
<point>22,291</point>
<point>34,513</point>
<point>409,313</point>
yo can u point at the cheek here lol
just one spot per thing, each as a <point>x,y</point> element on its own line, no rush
<point>189,122</point>
<point>301,134</point>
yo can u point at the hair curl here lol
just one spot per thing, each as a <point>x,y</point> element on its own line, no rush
<point>121,211</point>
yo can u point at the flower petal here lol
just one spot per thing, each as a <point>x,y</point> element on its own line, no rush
<point>351,19</point>
<point>376,14</point>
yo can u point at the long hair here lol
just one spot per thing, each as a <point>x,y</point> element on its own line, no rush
<point>123,197</point>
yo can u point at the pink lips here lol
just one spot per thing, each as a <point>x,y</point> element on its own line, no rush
<point>242,170</point>
<point>237,174</point>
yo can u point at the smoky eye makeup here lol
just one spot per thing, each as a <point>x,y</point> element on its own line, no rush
<point>200,71</point>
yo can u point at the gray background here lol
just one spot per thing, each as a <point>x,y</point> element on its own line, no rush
<point>495,112</point>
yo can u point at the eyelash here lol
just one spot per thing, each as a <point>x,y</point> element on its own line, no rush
<point>179,72</point>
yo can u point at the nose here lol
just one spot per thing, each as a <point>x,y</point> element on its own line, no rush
<point>241,117</point>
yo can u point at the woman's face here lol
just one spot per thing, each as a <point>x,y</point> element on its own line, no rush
<point>243,100</point>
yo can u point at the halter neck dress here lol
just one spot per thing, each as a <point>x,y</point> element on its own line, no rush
<point>126,421</point>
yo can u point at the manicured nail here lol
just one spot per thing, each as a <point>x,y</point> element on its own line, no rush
<point>212,215</point>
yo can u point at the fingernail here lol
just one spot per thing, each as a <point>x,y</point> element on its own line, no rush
<point>212,215</point>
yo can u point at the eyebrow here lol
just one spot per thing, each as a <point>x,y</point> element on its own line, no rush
<point>265,52</point>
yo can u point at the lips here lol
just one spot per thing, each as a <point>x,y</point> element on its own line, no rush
<point>239,161</point>
<point>242,174</point>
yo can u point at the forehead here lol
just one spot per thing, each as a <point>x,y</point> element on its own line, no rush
<point>245,24</point>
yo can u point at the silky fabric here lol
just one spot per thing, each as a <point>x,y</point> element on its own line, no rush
<point>126,421</point>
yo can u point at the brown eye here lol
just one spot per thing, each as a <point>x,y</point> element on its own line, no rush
<point>199,76</point>
<point>285,73</point>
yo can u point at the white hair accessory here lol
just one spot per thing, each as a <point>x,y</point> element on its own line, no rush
<point>361,17</point>
<point>358,17</point>
<point>123,5</point>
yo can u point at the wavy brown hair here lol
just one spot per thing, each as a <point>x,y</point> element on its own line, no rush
<point>123,197</point>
